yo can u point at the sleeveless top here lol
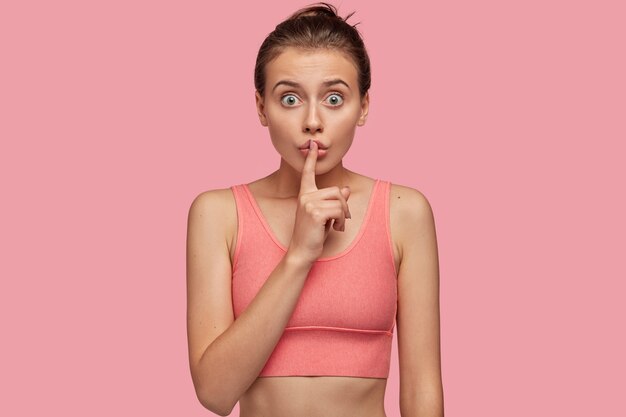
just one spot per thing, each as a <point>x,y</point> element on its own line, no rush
<point>343,322</point>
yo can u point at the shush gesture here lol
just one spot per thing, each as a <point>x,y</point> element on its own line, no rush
<point>317,211</point>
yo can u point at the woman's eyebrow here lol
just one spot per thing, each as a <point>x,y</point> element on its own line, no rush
<point>325,83</point>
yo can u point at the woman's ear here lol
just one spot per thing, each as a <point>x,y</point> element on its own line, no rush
<point>365,106</point>
<point>260,108</point>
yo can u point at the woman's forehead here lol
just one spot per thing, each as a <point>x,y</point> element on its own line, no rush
<point>310,65</point>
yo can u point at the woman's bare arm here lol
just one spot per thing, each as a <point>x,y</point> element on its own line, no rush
<point>421,388</point>
<point>227,355</point>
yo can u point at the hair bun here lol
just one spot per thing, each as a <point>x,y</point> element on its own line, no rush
<point>317,9</point>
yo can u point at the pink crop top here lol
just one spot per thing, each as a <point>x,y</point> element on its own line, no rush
<point>343,322</point>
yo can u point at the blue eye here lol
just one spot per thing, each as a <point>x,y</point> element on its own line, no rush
<point>291,101</point>
<point>336,102</point>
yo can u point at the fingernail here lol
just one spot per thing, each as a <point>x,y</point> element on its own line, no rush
<point>349,214</point>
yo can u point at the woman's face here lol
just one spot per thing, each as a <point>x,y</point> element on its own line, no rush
<point>312,95</point>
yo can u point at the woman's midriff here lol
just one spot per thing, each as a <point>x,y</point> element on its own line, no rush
<point>317,396</point>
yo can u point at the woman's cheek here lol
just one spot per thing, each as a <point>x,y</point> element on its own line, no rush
<point>277,115</point>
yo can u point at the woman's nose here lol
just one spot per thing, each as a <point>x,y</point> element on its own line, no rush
<point>312,122</point>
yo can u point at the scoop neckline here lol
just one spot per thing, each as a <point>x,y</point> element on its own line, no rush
<point>348,249</point>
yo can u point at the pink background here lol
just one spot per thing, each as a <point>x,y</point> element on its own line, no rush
<point>508,116</point>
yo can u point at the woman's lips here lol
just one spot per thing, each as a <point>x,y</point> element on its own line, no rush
<point>320,152</point>
<point>308,143</point>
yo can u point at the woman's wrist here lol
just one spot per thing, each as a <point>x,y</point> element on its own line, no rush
<point>295,260</point>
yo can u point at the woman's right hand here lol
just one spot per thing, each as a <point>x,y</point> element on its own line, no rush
<point>315,213</point>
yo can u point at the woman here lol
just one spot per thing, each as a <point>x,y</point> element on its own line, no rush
<point>296,281</point>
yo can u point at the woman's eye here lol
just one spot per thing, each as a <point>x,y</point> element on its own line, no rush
<point>335,99</point>
<point>289,99</point>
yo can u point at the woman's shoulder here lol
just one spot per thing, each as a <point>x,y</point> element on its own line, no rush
<point>214,200</point>
<point>408,198</point>
<point>216,206</point>
<point>404,200</point>
<point>409,207</point>
<point>214,213</point>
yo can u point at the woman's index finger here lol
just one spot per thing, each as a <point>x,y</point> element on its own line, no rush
<point>307,181</point>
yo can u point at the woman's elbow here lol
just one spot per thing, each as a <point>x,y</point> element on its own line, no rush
<point>215,404</point>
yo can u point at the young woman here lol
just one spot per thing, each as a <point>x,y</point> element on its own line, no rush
<point>296,281</point>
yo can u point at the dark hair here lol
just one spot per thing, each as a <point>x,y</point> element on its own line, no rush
<point>315,26</point>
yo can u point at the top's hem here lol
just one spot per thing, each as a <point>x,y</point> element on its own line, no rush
<point>340,329</point>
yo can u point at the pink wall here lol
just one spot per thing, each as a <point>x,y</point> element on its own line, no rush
<point>509,118</point>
